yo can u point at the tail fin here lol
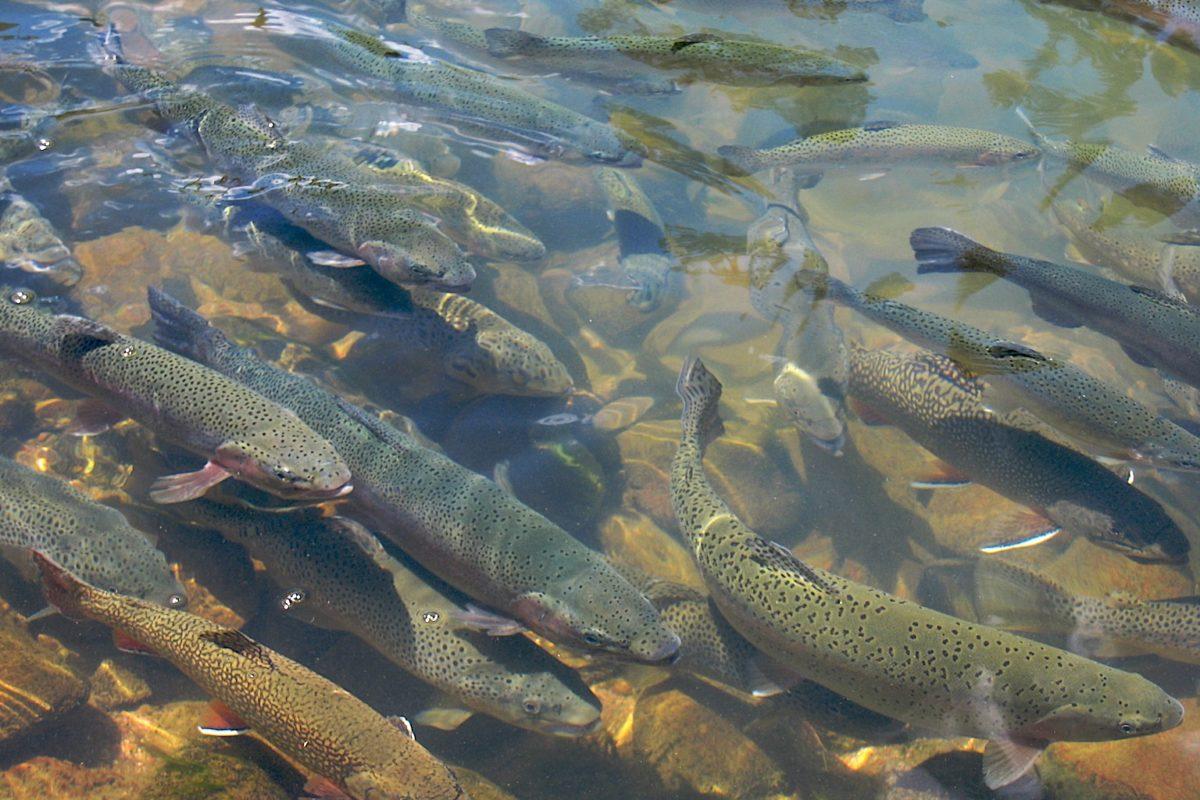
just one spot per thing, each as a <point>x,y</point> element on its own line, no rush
<point>502,42</point>
<point>701,392</point>
<point>1015,598</point>
<point>63,590</point>
<point>941,250</point>
<point>178,328</point>
<point>109,49</point>
<point>746,159</point>
<point>1037,135</point>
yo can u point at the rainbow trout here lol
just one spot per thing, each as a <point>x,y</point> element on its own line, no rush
<point>892,656</point>
<point>241,433</point>
<point>810,379</point>
<point>1016,598</point>
<point>474,103</point>
<point>307,717</point>
<point>456,523</point>
<point>940,407</point>
<point>1088,410</point>
<point>701,56</point>
<point>1152,328</point>
<point>365,219</point>
<point>40,512</point>
<point>350,583</point>
<point>884,144</point>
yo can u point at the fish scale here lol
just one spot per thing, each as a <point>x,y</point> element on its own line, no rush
<point>456,523</point>
<point>892,656</point>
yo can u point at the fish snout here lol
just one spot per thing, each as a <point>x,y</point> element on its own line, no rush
<point>1174,715</point>
<point>659,650</point>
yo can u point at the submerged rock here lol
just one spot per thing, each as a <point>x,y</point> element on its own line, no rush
<point>202,772</point>
<point>115,686</point>
<point>37,683</point>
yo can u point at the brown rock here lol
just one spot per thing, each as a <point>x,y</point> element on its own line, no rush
<point>37,684</point>
<point>632,539</point>
<point>115,686</point>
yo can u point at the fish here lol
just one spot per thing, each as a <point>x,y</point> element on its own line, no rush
<point>884,143</point>
<point>1153,328</point>
<point>29,243</point>
<point>306,716</point>
<point>94,541</point>
<point>1015,597</point>
<point>811,365</point>
<point>1138,256</point>
<point>352,583</point>
<point>1176,21</point>
<point>646,263</point>
<point>702,56</point>
<point>940,674</point>
<point>366,220</point>
<point>941,407</point>
<point>1095,415</point>
<point>241,433</point>
<point>474,103</point>
<point>457,524</point>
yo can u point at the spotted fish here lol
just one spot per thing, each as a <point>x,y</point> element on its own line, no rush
<point>349,582</point>
<point>240,432</point>
<point>1102,419</point>
<point>457,524</point>
<point>309,718</point>
<point>1017,598</point>
<point>932,400</point>
<point>28,242</point>
<point>892,656</point>
<point>884,144</point>
<point>92,540</point>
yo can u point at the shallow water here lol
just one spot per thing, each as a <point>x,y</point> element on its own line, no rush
<point>120,188</point>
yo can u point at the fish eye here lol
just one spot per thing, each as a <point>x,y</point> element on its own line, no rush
<point>532,707</point>
<point>21,297</point>
<point>592,639</point>
<point>1126,728</point>
<point>177,601</point>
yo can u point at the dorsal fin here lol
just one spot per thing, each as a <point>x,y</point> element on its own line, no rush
<point>692,38</point>
<point>240,643</point>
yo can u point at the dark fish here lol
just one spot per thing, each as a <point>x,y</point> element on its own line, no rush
<point>892,656</point>
<point>645,262</point>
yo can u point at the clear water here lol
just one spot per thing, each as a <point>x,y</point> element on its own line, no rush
<point>113,188</point>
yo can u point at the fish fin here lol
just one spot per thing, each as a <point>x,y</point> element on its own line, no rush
<point>880,124</point>
<point>127,644</point>
<point>1072,253</point>
<point>357,532</point>
<point>769,554</point>
<point>443,718</point>
<point>1157,152</point>
<point>48,611</point>
<point>1137,354</point>
<point>941,476</point>
<point>745,159</point>
<point>802,179</point>
<point>403,725</point>
<point>93,417</point>
<point>1054,313</point>
<point>501,477</point>
<point>692,38</point>
<point>62,589</point>
<point>620,414</point>
<point>888,287</point>
<point>220,720</point>
<point>872,176</point>
<point>1006,760</point>
<point>940,250</point>
<point>701,393</point>
<point>478,619</point>
<point>1121,598</point>
<point>1173,299</point>
<point>867,413</point>
<point>81,336</point>
<point>1189,600</point>
<point>1188,237</point>
<point>1012,597</point>
<point>334,259</point>
<point>321,788</point>
<point>240,643</point>
<point>502,42</point>
<point>187,485</point>
<point>768,678</point>
<point>1029,529</point>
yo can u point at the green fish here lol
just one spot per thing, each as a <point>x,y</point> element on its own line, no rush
<point>1172,20</point>
<point>40,512</point>
<point>702,56</point>
<point>885,144</point>
<point>941,407</point>
<point>241,433</point>
<point>456,523</point>
<point>28,242</point>
<point>307,717</point>
<point>935,672</point>
<point>1016,598</point>
<point>1102,419</point>
<point>350,583</point>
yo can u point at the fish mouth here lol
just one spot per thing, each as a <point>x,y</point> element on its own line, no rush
<point>834,446</point>
<point>323,494</point>
<point>1149,554</point>
<point>569,729</point>
<point>669,649</point>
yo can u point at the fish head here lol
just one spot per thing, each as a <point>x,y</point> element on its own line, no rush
<point>1007,150</point>
<point>1141,531</point>
<point>601,144</point>
<point>553,702</point>
<point>1135,707</point>
<point>315,472</point>
<point>428,258</point>
<point>648,273</point>
<point>510,361</point>
<point>814,412</point>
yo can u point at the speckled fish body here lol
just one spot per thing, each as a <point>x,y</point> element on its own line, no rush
<point>457,524</point>
<point>1154,329</point>
<point>703,56</point>
<point>350,582</point>
<point>307,717</point>
<point>933,401</point>
<point>890,655</point>
<point>238,430</point>
<point>885,144</point>
<point>28,242</point>
<point>40,512</point>
<point>474,102</point>
<point>1098,416</point>
<point>645,262</point>
<point>810,379</point>
<point>1017,598</point>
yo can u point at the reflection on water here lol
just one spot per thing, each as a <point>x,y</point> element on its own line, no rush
<point>321,181</point>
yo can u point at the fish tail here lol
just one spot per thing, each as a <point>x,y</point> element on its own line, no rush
<point>110,50</point>
<point>507,41</point>
<point>944,250</point>
<point>701,392</point>
<point>1015,598</point>
<point>178,328</point>
<point>63,590</point>
<point>1037,135</point>
<point>746,159</point>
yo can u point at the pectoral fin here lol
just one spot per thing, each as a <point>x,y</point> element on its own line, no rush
<point>443,718</point>
<point>1006,760</point>
<point>220,720</point>
<point>93,417</point>
<point>187,485</point>
<point>941,476</point>
<point>1026,530</point>
<point>334,259</point>
<point>478,619</point>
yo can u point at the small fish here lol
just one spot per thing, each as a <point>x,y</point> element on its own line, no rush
<point>1176,21</point>
<point>40,512</point>
<point>307,717</point>
<point>1016,598</point>
<point>454,522</point>
<point>703,56</point>
<point>941,407</point>
<point>241,433</point>
<point>28,242</point>
<point>885,143</point>
<point>646,263</point>
<point>1100,418</point>
<point>1153,329</point>
<point>935,672</point>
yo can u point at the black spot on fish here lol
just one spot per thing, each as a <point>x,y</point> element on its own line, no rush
<point>241,644</point>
